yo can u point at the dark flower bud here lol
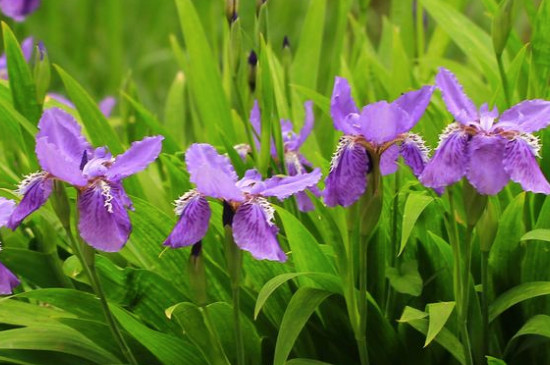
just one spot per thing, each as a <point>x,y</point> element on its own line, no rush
<point>286,42</point>
<point>252,61</point>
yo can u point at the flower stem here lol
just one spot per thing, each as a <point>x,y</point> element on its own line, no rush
<point>234,264</point>
<point>465,296</point>
<point>85,255</point>
<point>485,301</point>
<point>370,215</point>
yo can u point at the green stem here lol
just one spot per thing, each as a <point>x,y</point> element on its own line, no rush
<point>234,263</point>
<point>362,338</point>
<point>463,312</point>
<point>87,261</point>
<point>485,301</point>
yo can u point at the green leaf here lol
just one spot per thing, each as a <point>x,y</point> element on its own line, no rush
<point>306,61</point>
<point>537,234</point>
<point>406,279</point>
<point>306,362</point>
<point>445,338</point>
<point>494,361</point>
<point>538,325</point>
<point>306,253</point>
<point>168,349</point>
<point>516,295</point>
<point>279,280</point>
<point>472,40</point>
<point>198,326</point>
<point>97,126</point>
<point>204,76</point>
<point>55,337</point>
<point>302,305</point>
<point>169,143</point>
<point>414,206</point>
<point>439,314</point>
<point>20,77</point>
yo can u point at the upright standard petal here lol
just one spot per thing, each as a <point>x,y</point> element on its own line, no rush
<point>458,104</point>
<point>103,222</point>
<point>8,281</point>
<point>35,189</point>
<point>62,130</point>
<point>485,169</point>
<point>304,202</point>
<point>382,122</point>
<point>527,116</point>
<point>194,214</point>
<point>347,179</point>
<point>254,230</point>
<point>53,160</point>
<point>521,164</point>
<point>342,105</point>
<point>211,172</point>
<point>7,207</point>
<point>283,187</point>
<point>415,153</point>
<point>415,102</point>
<point>388,160</point>
<point>308,125</point>
<point>136,158</point>
<point>448,165</point>
<point>18,9</point>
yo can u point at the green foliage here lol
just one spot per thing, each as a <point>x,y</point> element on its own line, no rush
<point>179,69</point>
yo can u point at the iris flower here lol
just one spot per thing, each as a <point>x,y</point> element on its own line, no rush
<point>18,9</point>
<point>26,47</point>
<point>379,129</point>
<point>8,281</point>
<point>295,162</point>
<point>106,105</point>
<point>253,225</point>
<point>64,154</point>
<point>488,153</point>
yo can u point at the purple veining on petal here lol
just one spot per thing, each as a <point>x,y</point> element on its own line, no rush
<point>457,102</point>
<point>254,230</point>
<point>35,189</point>
<point>347,179</point>
<point>487,117</point>
<point>212,173</point>
<point>448,165</point>
<point>415,153</point>
<point>103,220</point>
<point>528,116</point>
<point>194,215</point>
<point>521,164</point>
<point>485,170</point>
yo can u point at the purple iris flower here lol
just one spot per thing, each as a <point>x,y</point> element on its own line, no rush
<point>65,154</point>
<point>106,105</point>
<point>26,47</point>
<point>489,154</point>
<point>380,129</point>
<point>8,281</point>
<point>295,162</point>
<point>18,9</point>
<point>254,229</point>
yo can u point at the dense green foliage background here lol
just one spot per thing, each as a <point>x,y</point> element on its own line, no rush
<point>179,68</point>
